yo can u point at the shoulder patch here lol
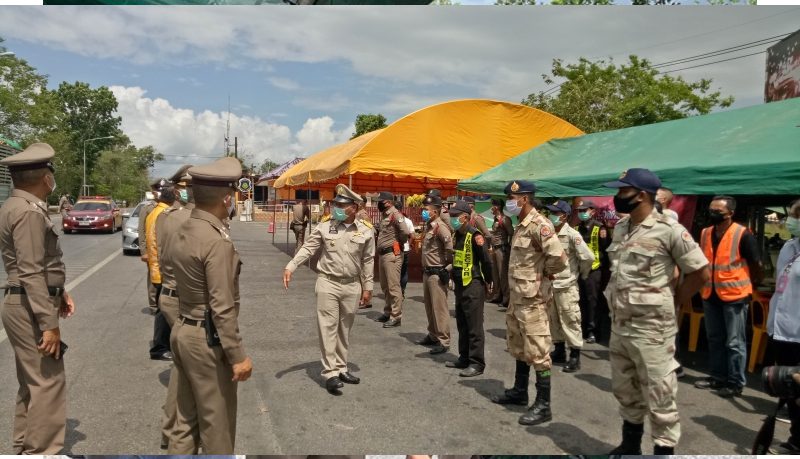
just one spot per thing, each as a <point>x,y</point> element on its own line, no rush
<point>545,231</point>
<point>479,240</point>
<point>577,240</point>
<point>367,223</point>
<point>325,218</point>
<point>686,236</point>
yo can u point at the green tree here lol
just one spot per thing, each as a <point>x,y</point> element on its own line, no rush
<point>600,96</point>
<point>122,172</point>
<point>27,108</point>
<point>267,166</point>
<point>368,123</point>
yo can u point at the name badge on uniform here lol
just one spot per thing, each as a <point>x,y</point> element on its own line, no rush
<point>333,230</point>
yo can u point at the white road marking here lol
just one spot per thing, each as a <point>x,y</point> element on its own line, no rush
<point>78,280</point>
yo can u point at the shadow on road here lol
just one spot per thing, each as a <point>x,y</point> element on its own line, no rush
<point>729,431</point>
<point>412,337</point>
<point>497,332</point>
<point>595,354</point>
<point>73,436</point>
<point>600,382</point>
<point>570,438</point>
<point>163,377</point>
<point>418,299</point>
<point>489,387</point>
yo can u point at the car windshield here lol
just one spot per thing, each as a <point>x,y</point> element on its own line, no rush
<point>135,212</point>
<point>92,206</point>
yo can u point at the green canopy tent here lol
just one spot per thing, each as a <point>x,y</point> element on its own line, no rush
<point>748,151</point>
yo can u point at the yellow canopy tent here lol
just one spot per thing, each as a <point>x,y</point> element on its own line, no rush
<point>431,148</point>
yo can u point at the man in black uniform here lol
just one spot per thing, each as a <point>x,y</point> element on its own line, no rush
<point>597,237</point>
<point>472,275</point>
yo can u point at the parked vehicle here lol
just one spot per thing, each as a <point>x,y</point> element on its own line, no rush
<point>130,231</point>
<point>93,213</point>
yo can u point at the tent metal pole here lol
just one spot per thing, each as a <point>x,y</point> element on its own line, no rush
<point>351,182</point>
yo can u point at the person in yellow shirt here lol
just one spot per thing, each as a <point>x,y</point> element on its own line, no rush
<point>160,349</point>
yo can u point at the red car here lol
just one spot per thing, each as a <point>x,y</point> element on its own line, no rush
<point>93,213</point>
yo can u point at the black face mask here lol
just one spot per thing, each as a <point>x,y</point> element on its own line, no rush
<point>625,205</point>
<point>716,217</point>
<point>382,206</point>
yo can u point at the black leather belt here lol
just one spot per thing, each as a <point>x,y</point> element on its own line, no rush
<point>386,250</point>
<point>192,322</point>
<point>433,269</point>
<point>53,291</point>
<point>169,292</point>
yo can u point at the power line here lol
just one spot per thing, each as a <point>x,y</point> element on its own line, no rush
<point>717,62</point>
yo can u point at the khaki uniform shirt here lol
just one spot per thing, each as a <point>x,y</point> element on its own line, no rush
<point>207,268</point>
<point>347,252</point>
<point>643,260</point>
<point>477,221</point>
<point>167,225</point>
<point>437,244</point>
<point>502,230</point>
<point>31,254</point>
<point>143,213</point>
<point>579,258</point>
<point>300,214</point>
<point>536,254</point>
<point>392,225</point>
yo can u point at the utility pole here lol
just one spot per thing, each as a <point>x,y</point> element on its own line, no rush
<point>236,147</point>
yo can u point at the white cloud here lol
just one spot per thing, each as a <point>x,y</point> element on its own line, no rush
<point>284,83</point>
<point>197,137</point>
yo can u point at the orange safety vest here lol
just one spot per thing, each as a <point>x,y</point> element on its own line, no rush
<point>730,275</point>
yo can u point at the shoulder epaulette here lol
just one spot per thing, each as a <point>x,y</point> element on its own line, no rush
<point>366,223</point>
<point>325,218</point>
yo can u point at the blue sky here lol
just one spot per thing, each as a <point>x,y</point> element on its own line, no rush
<point>297,79</point>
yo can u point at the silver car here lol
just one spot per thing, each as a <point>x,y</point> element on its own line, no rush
<point>130,231</point>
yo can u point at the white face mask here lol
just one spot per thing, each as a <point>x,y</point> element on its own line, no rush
<point>53,186</point>
<point>231,207</point>
<point>512,207</point>
<point>793,225</point>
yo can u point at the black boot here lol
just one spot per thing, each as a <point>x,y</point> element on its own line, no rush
<point>517,395</point>
<point>560,354</point>
<point>539,412</point>
<point>631,439</point>
<point>574,363</point>
<point>659,450</point>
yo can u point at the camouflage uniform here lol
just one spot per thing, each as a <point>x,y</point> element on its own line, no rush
<point>643,325</point>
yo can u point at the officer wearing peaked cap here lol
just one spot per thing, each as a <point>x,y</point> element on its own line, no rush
<point>392,234</point>
<point>346,268</point>
<point>536,256</point>
<point>167,224</point>
<point>210,359</point>
<point>644,251</point>
<point>33,301</point>
<point>476,220</point>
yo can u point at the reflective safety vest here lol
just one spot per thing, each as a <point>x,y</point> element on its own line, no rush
<point>464,259</point>
<point>730,275</point>
<point>594,244</point>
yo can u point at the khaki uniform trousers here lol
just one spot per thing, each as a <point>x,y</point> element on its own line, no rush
<point>207,398</point>
<point>565,317</point>
<point>151,293</point>
<point>336,311</point>
<point>500,275</point>
<point>40,415</point>
<point>299,236</point>
<point>528,333</point>
<point>436,308</point>
<point>169,308</point>
<point>391,266</point>
<point>643,381</point>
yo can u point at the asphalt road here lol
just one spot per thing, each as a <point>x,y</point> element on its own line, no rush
<point>407,402</point>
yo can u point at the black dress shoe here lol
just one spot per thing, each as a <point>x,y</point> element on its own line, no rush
<point>383,318</point>
<point>456,364</point>
<point>333,385</point>
<point>167,356</point>
<point>729,392</point>
<point>391,323</point>
<point>426,341</point>
<point>709,383</point>
<point>590,338</point>
<point>470,371</point>
<point>439,349</point>
<point>349,378</point>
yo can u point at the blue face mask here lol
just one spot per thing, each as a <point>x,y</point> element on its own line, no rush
<point>184,195</point>
<point>426,216</point>
<point>555,219</point>
<point>583,216</point>
<point>455,223</point>
<point>339,214</point>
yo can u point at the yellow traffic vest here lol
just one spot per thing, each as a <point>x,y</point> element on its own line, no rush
<point>464,259</point>
<point>594,244</point>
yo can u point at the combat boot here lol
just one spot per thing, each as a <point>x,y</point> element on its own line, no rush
<point>574,363</point>
<point>559,355</point>
<point>539,412</point>
<point>659,450</point>
<point>517,395</point>
<point>631,439</point>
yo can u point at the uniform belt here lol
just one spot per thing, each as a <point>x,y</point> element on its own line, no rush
<point>192,322</point>
<point>53,291</point>
<point>433,269</point>
<point>386,250</point>
<point>169,292</point>
<point>341,280</point>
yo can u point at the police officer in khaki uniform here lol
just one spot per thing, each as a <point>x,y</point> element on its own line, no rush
<point>476,220</point>
<point>644,251</point>
<point>392,234</point>
<point>472,278</point>
<point>301,215</point>
<point>148,207</point>
<point>437,259</point>
<point>565,310</point>
<point>33,300</point>
<point>536,257</point>
<point>502,231</point>
<point>168,223</point>
<point>346,267</point>
<point>210,359</point>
